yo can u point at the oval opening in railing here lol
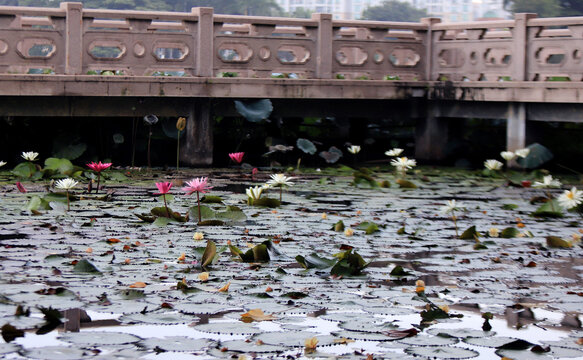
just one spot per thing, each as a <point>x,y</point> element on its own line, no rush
<point>170,51</point>
<point>550,56</point>
<point>498,57</point>
<point>36,48</point>
<point>106,50</point>
<point>293,54</point>
<point>351,56</point>
<point>234,52</point>
<point>450,58</point>
<point>404,57</point>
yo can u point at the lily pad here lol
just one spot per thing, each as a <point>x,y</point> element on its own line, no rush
<point>442,352</point>
<point>97,338</point>
<point>306,146</point>
<point>230,328</point>
<point>55,353</point>
<point>177,343</point>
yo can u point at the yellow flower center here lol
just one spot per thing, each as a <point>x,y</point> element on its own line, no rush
<point>570,195</point>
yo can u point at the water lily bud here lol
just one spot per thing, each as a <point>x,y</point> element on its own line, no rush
<point>181,124</point>
<point>348,232</point>
<point>494,232</point>
<point>203,276</point>
<point>198,236</point>
<point>324,216</point>
<point>420,286</point>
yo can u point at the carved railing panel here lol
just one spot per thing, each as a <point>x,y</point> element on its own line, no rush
<point>476,51</point>
<point>32,41</point>
<point>77,41</point>
<point>555,49</point>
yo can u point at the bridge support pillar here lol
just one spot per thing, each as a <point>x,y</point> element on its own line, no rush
<point>516,126</point>
<point>431,135</point>
<point>198,147</point>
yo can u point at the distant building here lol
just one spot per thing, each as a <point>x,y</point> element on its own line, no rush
<point>447,10</point>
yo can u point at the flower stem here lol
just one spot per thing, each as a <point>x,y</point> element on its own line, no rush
<point>98,179</point>
<point>453,217</point>
<point>166,206</point>
<point>178,150</point>
<point>280,192</point>
<point>68,202</point>
<point>550,197</point>
<point>198,202</point>
<point>149,140</point>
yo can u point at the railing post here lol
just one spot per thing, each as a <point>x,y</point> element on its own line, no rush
<point>205,51</point>
<point>73,37</point>
<point>429,46</point>
<point>520,46</point>
<point>324,46</point>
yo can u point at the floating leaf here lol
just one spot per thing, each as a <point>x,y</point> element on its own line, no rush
<point>509,207</point>
<point>441,352</point>
<point>25,170</point>
<point>332,155</point>
<point>406,184</point>
<point>177,343</point>
<point>59,166</point>
<point>349,264</point>
<point>314,261</point>
<point>54,353</point>
<point>9,333</point>
<point>399,271</point>
<point>509,233</point>
<point>209,254</point>
<point>557,242</point>
<point>84,266</point>
<point>206,213</point>
<point>99,338</point>
<point>258,253</point>
<point>339,226</point>
<point>369,227</point>
<point>537,156</point>
<point>256,315</point>
<point>550,209</point>
<point>267,202</point>
<point>516,345</point>
<point>470,233</point>
<point>210,199</point>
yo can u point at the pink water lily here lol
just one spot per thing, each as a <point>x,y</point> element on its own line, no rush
<point>197,185</point>
<point>237,157</point>
<point>164,188</point>
<point>98,168</point>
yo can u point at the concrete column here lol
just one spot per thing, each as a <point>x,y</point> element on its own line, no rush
<point>324,47</point>
<point>198,147</point>
<point>428,42</point>
<point>520,46</point>
<point>516,126</point>
<point>431,133</point>
<point>205,51</point>
<point>73,37</point>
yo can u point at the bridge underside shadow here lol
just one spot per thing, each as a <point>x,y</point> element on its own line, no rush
<point>432,118</point>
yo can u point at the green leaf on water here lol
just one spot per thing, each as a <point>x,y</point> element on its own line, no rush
<point>550,209</point>
<point>24,170</point>
<point>258,253</point>
<point>84,266</point>
<point>314,261</point>
<point>470,233</point>
<point>399,271</point>
<point>267,202</point>
<point>209,254</point>
<point>369,227</point>
<point>509,233</point>
<point>36,203</point>
<point>509,207</point>
<point>210,199</point>
<point>557,242</point>
<point>206,213</point>
<point>162,221</point>
<point>59,166</point>
<point>406,184</point>
<point>348,264</point>
<point>339,226</point>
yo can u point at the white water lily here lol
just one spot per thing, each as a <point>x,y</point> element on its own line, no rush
<point>571,198</point>
<point>29,156</point>
<point>493,165</point>
<point>451,207</point>
<point>522,152</point>
<point>494,232</point>
<point>279,180</point>
<point>354,149</point>
<point>548,182</point>
<point>403,164</point>
<point>2,163</point>
<point>394,152</point>
<point>254,192</point>
<point>198,236</point>
<point>507,155</point>
<point>66,184</point>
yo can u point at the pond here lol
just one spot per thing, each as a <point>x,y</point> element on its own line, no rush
<point>334,271</point>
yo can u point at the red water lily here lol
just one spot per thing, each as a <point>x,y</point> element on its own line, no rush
<point>237,157</point>
<point>98,168</point>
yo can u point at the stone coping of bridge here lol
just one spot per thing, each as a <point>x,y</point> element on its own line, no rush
<point>211,87</point>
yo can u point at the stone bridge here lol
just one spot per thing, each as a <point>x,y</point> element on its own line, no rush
<point>71,61</point>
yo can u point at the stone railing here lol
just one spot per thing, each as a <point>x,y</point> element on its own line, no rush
<point>75,41</point>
